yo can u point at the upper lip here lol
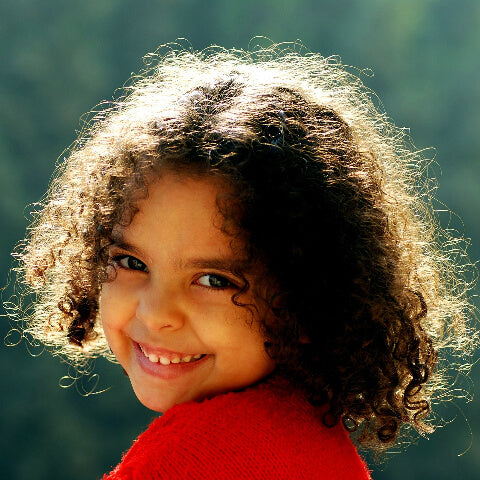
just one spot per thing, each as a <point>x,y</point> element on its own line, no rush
<point>162,352</point>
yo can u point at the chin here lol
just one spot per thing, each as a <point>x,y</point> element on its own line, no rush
<point>158,403</point>
<point>155,405</point>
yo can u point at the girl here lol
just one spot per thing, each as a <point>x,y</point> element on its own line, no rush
<point>245,235</point>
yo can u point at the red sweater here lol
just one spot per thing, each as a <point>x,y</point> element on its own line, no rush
<point>265,432</point>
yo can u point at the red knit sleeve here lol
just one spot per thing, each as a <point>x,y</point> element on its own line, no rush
<point>262,433</point>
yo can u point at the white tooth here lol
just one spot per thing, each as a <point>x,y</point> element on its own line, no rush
<point>164,361</point>
<point>196,357</point>
<point>187,358</point>
<point>175,360</point>
<point>153,358</point>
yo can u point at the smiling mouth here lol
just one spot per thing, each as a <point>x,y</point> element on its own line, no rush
<point>175,359</point>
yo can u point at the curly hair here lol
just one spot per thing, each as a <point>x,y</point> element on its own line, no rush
<point>325,192</point>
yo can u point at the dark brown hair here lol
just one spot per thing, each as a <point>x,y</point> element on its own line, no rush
<point>325,194</point>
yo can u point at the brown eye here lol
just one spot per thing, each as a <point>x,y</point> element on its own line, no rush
<point>129,263</point>
<point>211,280</point>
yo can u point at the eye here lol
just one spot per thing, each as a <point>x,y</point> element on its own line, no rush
<point>129,263</point>
<point>211,280</point>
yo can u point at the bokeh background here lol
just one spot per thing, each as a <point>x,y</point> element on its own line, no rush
<point>59,58</point>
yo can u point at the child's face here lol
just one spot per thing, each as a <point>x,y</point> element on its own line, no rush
<point>168,314</point>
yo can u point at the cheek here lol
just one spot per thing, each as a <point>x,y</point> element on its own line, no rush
<point>240,336</point>
<point>114,306</point>
<point>114,316</point>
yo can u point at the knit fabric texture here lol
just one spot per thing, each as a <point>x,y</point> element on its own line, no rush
<point>265,432</point>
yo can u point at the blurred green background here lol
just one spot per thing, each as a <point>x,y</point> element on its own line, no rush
<point>59,58</point>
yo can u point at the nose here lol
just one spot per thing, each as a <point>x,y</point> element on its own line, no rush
<point>160,308</point>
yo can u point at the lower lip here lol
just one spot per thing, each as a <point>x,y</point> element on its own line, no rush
<point>173,370</point>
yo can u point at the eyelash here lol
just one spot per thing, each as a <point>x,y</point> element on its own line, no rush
<point>117,259</point>
<point>227,284</point>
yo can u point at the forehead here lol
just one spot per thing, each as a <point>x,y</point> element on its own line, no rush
<point>182,214</point>
<point>173,195</point>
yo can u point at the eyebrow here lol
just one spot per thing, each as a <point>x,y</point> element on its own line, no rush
<point>225,264</point>
<point>118,240</point>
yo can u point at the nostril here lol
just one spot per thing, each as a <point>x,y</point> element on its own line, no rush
<point>158,316</point>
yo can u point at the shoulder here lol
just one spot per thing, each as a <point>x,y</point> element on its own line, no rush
<point>265,431</point>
